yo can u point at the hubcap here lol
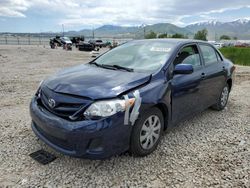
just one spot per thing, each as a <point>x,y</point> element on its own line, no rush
<point>224,96</point>
<point>150,132</point>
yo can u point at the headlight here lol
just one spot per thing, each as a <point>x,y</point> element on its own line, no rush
<point>107,108</point>
<point>39,89</point>
<point>40,84</point>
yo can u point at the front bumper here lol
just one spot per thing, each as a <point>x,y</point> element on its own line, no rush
<point>95,139</point>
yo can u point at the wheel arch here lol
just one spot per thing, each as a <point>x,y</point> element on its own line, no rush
<point>164,110</point>
<point>230,83</point>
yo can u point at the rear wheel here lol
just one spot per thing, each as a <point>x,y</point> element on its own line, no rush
<point>146,133</point>
<point>222,101</point>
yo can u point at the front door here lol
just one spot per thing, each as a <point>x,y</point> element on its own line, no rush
<point>187,89</point>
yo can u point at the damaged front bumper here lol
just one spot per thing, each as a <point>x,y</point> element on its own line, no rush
<point>95,139</point>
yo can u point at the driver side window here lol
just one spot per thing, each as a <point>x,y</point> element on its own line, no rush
<point>189,55</point>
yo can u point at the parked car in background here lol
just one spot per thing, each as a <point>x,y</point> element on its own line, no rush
<point>66,40</point>
<point>124,99</point>
<point>77,40</point>
<point>219,45</point>
<point>56,41</point>
<point>242,44</point>
<point>107,44</point>
<point>97,43</point>
<point>86,46</point>
<point>61,41</point>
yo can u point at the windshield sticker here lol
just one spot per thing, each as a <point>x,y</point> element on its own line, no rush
<point>160,49</point>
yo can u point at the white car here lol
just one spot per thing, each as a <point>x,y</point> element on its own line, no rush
<point>218,45</point>
<point>66,40</point>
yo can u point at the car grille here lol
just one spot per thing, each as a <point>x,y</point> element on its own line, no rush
<point>65,104</point>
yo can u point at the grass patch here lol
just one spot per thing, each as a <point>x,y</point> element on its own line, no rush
<point>240,56</point>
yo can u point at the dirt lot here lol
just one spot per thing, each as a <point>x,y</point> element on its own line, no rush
<point>210,150</point>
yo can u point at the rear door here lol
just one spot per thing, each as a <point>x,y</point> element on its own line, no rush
<point>187,89</point>
<point>214,73</point>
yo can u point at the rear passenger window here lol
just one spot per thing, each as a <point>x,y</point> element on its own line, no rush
<point>208,54</point>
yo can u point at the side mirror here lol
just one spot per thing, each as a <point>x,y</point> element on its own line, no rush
<point>183,69</point>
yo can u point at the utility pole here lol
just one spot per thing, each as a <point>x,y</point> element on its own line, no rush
<point>93,33</point>
<point>215,35</point>
<point>144,31</point>
<point>40,37</point>
<point>63,29</point>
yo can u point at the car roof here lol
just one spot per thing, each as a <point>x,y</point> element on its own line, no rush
<point>173,41</point>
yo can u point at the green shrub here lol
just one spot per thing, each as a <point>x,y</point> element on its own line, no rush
<point>240,56</point>
<point>151,35</point>
<point>178,36</point>
<point>225,37</point>
<point>201,35</point>
<point>164,35</point>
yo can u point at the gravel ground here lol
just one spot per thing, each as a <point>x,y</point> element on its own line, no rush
<point>211,149</point>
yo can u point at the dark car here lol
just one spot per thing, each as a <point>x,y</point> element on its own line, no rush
<point>56,41</point>
<point>86,46</point>
<point>60,41</point>
<point>77,40</point>
<point>124,99</point>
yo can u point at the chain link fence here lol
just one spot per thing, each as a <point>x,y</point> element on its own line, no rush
<point>20,40</point>
<point>42,40</point>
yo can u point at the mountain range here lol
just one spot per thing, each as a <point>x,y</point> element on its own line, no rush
<point>238,28</point>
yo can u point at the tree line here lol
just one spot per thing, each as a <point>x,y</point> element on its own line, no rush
<point>153,35</point>
<point>200,35</point>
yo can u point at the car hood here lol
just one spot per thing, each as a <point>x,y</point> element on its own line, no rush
<point>68,42</point>
<point>95,82</point>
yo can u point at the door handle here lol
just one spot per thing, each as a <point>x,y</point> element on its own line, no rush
<point>203,75</point>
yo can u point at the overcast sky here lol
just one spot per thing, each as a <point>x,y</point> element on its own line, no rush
<point>49,15</point>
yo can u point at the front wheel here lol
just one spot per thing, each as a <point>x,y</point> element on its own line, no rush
<point>222,101</point>
<point>147,132</point>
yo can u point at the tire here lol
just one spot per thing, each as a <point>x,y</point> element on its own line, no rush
<point>222,101</point>
<point>143,135</point>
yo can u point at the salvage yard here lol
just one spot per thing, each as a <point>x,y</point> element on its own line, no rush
<point>211,149</point>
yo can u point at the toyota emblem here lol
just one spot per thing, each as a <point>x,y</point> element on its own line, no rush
<point>52,103</point>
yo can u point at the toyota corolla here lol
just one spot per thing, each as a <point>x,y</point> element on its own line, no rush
<point>124,99</point>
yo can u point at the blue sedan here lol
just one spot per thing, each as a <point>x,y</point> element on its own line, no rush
<point>124,99</point>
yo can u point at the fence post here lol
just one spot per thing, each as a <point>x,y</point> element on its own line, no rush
<point>39,39</point>
<point>29,39</point>
<point>6,42</point>
<point>18,40</point>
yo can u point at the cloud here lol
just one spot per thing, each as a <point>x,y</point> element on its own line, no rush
<point>92,13</point>
<point>6,12</point>
<point>138,12</point>
<point>18,8</point>
<point>13,8</point>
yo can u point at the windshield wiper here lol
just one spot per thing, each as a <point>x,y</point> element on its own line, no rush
<point>124,68</point>
<point>102,65</point>
<point>94,63</point>
<point>113,67</point>
<point>121,67</point>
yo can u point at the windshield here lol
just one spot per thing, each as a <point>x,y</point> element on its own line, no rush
<point>141,56</point>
